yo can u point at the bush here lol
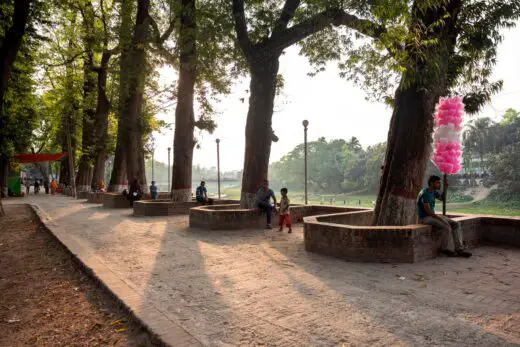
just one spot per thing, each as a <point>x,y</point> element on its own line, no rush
<point>455,196</point>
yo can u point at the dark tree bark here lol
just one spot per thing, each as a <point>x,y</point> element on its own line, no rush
<point>118,180</point>
<point>133,124</point>
<point>184,141</point>
<point>258,128</point>
<point>411,126</point>
<point>86,167</point>
<point>68,120</point>
<point>85,170</point>
<point>101,121</point>
<point>9,48</point>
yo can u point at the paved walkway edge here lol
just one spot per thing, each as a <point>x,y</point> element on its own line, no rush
<point>138,307</point>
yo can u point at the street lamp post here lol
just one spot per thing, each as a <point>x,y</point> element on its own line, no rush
<point>218,165</point>
<point>153,155</point>
<point>169,177</point>
<point>305,125</point>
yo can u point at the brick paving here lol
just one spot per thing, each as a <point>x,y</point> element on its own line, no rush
<point>257,287</point>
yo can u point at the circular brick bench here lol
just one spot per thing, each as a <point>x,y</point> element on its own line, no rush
<point>232,217</point>
<point>82,195</point>
<point>95,197</point>
<point>350,236</point>
<point>226,217</point>
<point>168,208</point>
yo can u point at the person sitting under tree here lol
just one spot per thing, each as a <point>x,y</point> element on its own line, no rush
<point>426,212</point>
<point>263,198</point>
<point>201,194</point>
<point>135,192</point>
<point>153,191</point>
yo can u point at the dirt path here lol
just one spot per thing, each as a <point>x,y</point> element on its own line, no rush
<point>46,300</point>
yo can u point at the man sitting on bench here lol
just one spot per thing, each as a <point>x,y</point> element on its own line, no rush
<point>201,195</point>
<point>426,211</point>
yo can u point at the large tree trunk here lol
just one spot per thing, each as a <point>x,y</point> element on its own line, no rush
<point>184,141</point>
<point>69,115</point>
<point>411,127</point>
<point>118,180</point>
<point>101,122</point>
<point>4,174</point>
<point>408,149</point>
<point>9,47</point>
<point>259,131</point>
<point>133,125</point>
<point>85,170</point>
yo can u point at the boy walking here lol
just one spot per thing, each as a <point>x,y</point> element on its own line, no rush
<point>284,217</point>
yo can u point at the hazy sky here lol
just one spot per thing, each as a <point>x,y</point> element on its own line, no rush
<point>334,107</point>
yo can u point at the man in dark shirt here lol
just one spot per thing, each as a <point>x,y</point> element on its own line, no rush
<point>426,212</point>
<point>201,194</point>
<point>263,198</point>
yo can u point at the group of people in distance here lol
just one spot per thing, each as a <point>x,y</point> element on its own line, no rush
<point>48,187</point>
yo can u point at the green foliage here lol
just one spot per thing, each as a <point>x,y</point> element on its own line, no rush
<point>376,65</point>
<point>335,166</point>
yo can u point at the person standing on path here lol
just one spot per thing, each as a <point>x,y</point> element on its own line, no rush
<point>46,186</point>
<point>426,211</point>
<point>27,186</point>
<point>284,217</point>
<point>263,197</point>
<point>54,186</point>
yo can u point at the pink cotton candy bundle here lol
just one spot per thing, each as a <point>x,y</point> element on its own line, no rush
<point>447,143</point>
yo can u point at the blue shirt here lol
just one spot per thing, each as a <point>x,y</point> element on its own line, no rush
<point>153,188</point>
<point>200,191</point>
<point>425,196</point>
<point>264,195</point>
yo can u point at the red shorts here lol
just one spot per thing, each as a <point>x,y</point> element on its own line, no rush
<point>284,218</point>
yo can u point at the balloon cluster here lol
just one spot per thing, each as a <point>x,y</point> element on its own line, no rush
<point>447,141</point>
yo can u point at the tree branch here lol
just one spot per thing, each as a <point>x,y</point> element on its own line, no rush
<point>67,61</point>
<point>287,14</point>
<point>319,22</point>
<point>239,17</point>
<point>159,39</point>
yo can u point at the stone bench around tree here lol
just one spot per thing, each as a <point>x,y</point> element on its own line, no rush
<point>350,236</point>
<point>168,208</point>
<point>82,195</point>
<point>226,217</point>
<point>232,217</point>
<point>95,197</point>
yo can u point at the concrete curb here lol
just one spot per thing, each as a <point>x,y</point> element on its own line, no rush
<point>168,332</point>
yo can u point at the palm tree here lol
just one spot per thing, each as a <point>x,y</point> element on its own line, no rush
<point>477,136</point>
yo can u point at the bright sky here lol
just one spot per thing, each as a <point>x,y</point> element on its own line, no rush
<point>334,107</point>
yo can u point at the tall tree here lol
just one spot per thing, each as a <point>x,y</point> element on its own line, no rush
<point>184,141</point>
<point>262,47</point>
<point>9,47</point>
<point>70,105</point>
<point>85,170</point>
<point>103,103</point>
<point>118,179</point>
<point>133,105</point>
<point>449,44</point>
